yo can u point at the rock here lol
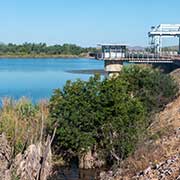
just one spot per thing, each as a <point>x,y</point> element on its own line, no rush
<point>166,170</point>
<point>86,161</point>
<point>105,176</point>
<point>33,164</point>
<point>28,165</point>
<point>5,153</point>
<point>90,160</point>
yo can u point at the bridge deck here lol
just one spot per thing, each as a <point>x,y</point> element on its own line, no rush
<point>146,59</point>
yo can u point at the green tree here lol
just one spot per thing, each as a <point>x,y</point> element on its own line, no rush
<point>109,115</point>
<point>97,113</point>
<point>76,109</point>
<point>154,88</point>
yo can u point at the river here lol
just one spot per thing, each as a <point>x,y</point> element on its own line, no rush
<point>37,78</point>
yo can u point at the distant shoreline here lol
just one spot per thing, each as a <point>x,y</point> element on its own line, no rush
<point>43,56</point>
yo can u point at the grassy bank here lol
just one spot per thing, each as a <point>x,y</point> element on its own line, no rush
<point>22,122</point>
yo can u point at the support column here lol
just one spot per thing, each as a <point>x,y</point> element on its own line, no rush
<point>113,67</point>
<point>158,45</point>
<point>179,46</point>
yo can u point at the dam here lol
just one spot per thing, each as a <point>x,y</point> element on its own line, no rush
<point>114,55</point>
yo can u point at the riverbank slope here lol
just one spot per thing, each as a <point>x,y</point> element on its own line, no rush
<point>158,157</point>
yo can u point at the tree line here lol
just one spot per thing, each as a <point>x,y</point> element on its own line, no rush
<point>43,49</point>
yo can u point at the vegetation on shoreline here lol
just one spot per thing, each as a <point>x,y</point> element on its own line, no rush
<point>43,50</point>
<point>22,122</point>
<point>25,149</point>
<point>105,117</point>
<point>109,116</point>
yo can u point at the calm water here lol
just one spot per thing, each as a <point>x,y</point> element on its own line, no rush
<point>73,173</point>
<point>37,78</point>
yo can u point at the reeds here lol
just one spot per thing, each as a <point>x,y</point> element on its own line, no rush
<point>23,122</point>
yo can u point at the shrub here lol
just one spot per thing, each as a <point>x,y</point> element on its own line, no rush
<point>151,86</point>
<point>96,113</point>
<point>109,114</point>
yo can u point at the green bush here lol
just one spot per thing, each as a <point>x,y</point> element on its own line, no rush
<point>78,111</point>
<point>96,113</point>
<point>109,114</point>
<point>151,86</point>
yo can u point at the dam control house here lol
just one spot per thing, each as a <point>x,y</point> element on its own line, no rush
<point>112,55</point>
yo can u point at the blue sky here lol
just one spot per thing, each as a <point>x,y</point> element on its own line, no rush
<point>84,22</point>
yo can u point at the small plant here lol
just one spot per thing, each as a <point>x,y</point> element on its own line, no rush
<point>26,110</point>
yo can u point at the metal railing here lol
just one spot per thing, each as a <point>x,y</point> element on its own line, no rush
<point>145,57</point>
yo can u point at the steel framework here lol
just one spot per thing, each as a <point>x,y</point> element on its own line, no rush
<point>163,30</point>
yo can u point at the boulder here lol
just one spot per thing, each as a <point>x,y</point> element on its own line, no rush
<point>90,160</point>
<point>5,158</point>
<point>34,164</point>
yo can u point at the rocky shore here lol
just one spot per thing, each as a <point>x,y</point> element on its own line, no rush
<point>168,169</point>
<point>32,164</point>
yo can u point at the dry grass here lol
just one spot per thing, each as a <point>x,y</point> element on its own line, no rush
<point>22,122</point>
<point>161,143</point>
